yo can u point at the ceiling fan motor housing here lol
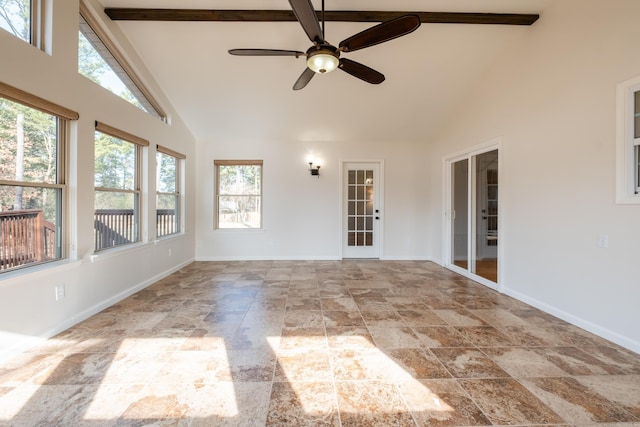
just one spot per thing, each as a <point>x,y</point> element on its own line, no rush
<point>323,58</point>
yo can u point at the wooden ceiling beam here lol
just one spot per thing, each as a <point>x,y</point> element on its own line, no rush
<point>141,14</point>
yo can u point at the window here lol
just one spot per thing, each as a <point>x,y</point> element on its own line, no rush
<point>117,187</point>
<point>628,142</point>
<point>238,193</point>
<point>100,61</point>
<point>168,200</point>
<point>33,135</point>
<point>23,19</point>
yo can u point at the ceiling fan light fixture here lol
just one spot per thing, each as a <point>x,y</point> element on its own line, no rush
<point>323,61</point>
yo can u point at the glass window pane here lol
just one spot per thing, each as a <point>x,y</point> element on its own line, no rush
<point>636,114</point>
<point>239,212</point>
<point>15,17</point>
<point>637,164</point>
<point>351,208</point>
<point>369,177</point>
<point>115,219</point>
<point>167,170</point>
<point>115,163</point>
<point>166,214</point>
<point>460,208</point>
<point>239,180</point>
<point>98,64</point>
<point>30,234</point>
<point>28,144</point>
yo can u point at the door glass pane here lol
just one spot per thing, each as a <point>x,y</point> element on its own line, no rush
<point>636,115</point>
<point>486,178</point>
<point>360,208</point>
<point>460,216</point>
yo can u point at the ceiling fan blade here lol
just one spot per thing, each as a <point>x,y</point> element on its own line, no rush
<point>304,78</point>
<point>381,33</point>
<point>360,71</point>
<point>266,52</point>
<point>306,15</point>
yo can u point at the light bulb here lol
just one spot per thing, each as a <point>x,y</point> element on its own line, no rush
<point>322,62</point>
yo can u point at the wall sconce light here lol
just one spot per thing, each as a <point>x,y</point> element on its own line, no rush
<point>314,171</point>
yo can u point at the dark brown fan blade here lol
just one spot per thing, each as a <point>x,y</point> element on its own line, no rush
<point>304,78</point>
<point>381,33</point>
<point>306,15</point>
<point>360,71</point>
<point>266,52</point>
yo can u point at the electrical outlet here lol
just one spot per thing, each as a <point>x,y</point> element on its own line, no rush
<point>60,292</point>
<point>169,251</point>
<point>603,240</point>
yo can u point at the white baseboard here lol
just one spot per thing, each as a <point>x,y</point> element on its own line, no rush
<point>26,343</point>
<point>605,333</point>
<point>266,258</point>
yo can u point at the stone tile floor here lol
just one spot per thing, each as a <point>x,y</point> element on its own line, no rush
<point>314,343</point>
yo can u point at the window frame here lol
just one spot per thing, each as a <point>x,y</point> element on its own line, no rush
<point>139,144</point>
<point>118,62</point>
<point>177,194</point>
<point>628,146</point>
<point>64,117</point>
<point>38,23</point>
<point>217,195</point>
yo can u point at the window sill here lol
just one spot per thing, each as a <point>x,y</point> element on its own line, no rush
<point>237,230</point>
<point>117,251</point>
<point>628,199</point>
<point>174,236</point>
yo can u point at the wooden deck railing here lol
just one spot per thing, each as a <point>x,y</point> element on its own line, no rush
<point>114,227</point>
<point>166,222</point>
<point>25,237</point>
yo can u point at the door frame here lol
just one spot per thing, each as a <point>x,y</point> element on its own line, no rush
<point>447,230</point>
<point>379,196</point>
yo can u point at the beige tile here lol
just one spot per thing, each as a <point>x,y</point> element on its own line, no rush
<point>394,337</point>
<point>468,363</point>
<point>349,342</point>
<point>506,402</point>
<point>296,366</point>
<point>441,403</point>
<point>299,404</point>
<point>576,402</point>
<point>522,362</point>
<point>372,403</point>
<point>440,336</point>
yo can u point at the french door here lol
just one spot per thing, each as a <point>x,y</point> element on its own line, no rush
<point>361,214</point>
<point>471,244</point>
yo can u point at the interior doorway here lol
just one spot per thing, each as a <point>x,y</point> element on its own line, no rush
<point>473,214</point>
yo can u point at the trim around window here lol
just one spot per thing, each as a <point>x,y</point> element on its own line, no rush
<point>118,62</point>
<point>17,95</point>
<point>238,194</point>
<point>628,142</point>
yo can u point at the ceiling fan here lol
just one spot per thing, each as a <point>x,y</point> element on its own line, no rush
<point>323,57</point>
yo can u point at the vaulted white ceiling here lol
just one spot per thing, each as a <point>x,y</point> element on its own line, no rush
<point>228,98</point>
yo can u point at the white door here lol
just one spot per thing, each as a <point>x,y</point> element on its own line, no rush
<point>361,214</point>
<point>472,235</point>
<point>487,196</point>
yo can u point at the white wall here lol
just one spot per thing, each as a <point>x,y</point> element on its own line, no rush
<point>552,100</point>
<point>28,309</point>
<point>302,218</point>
